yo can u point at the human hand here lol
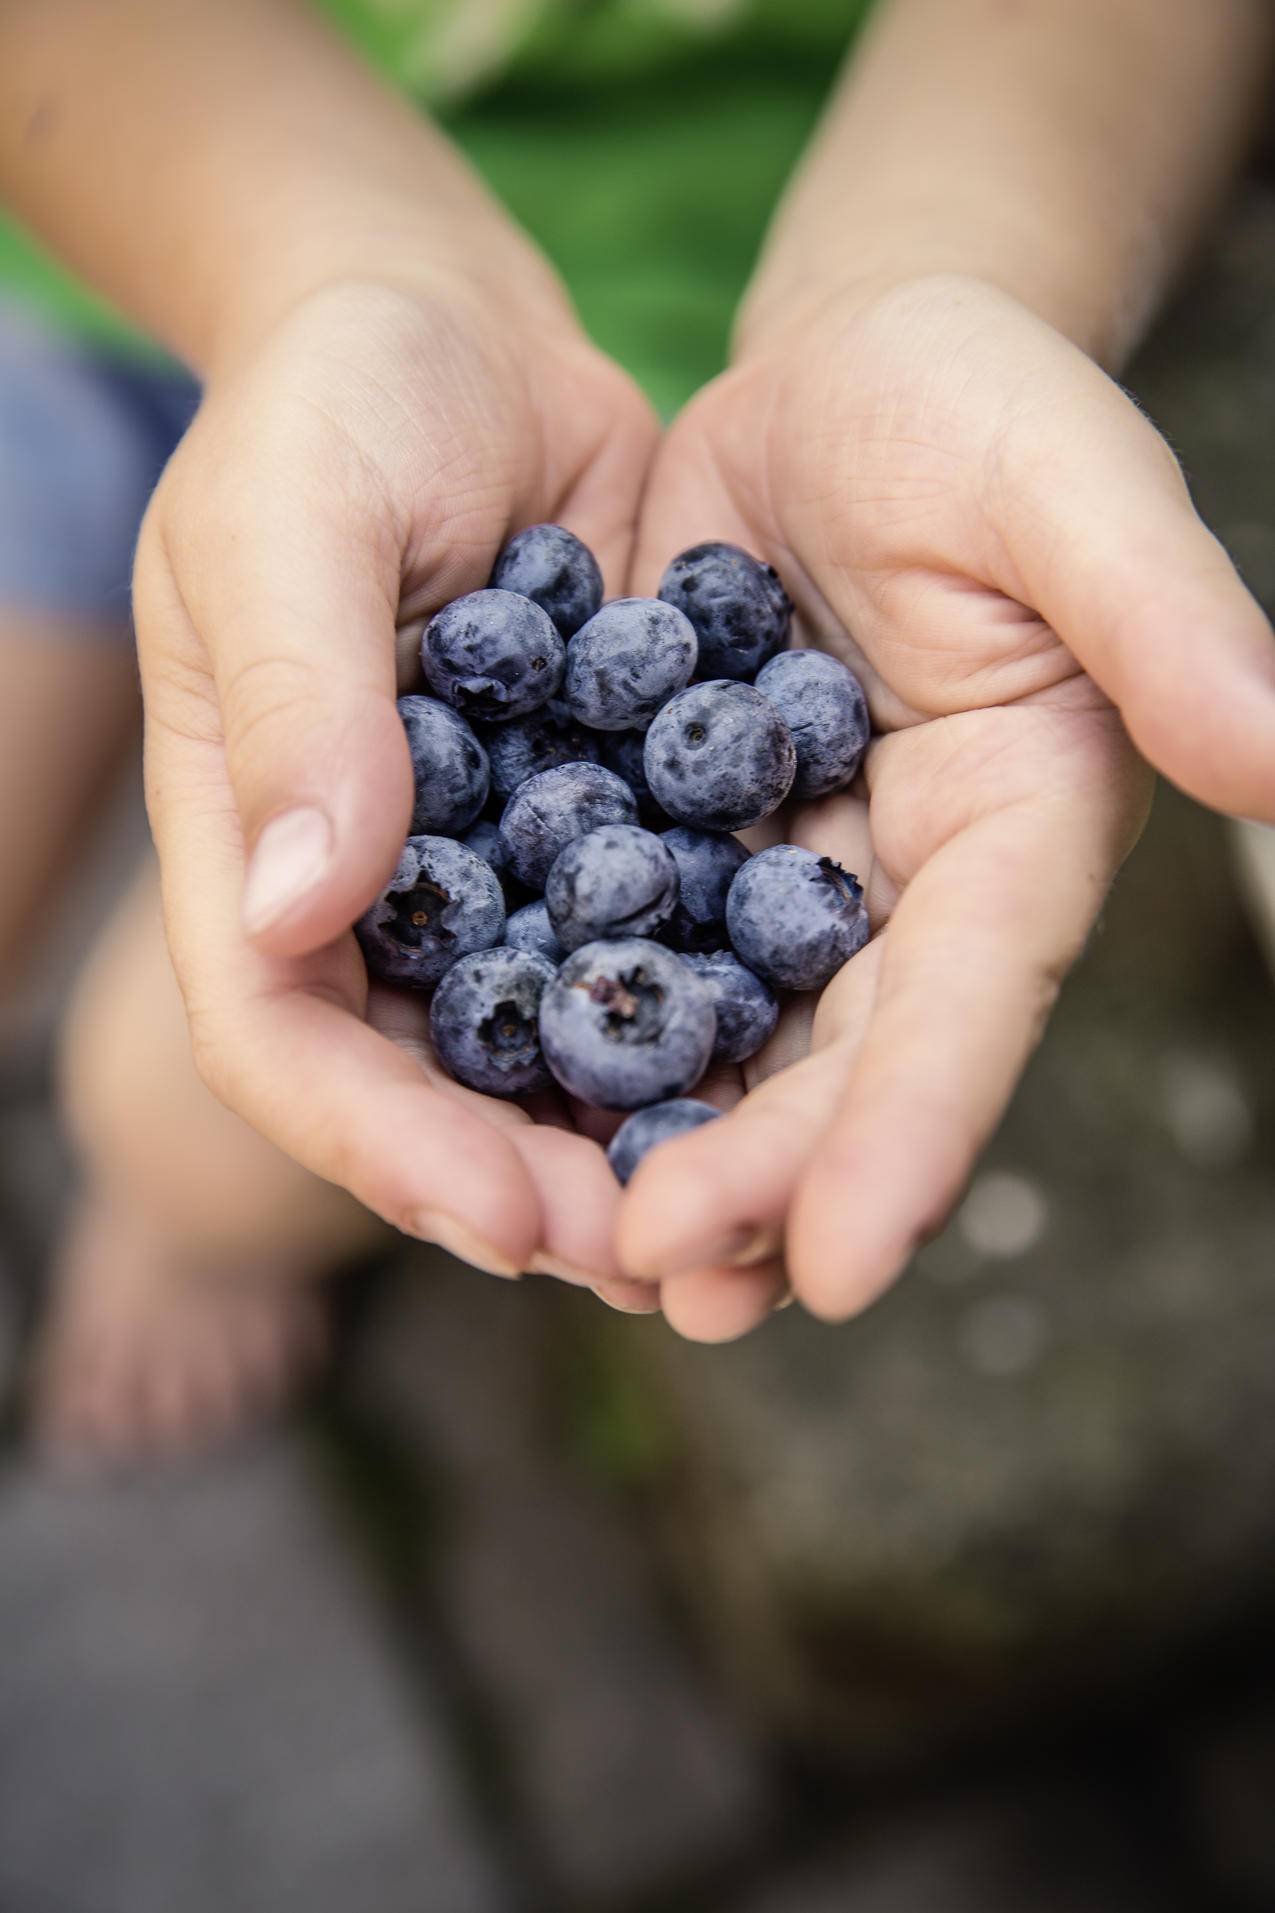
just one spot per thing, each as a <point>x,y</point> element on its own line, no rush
<point>357,468</point>
<point>988,531</point>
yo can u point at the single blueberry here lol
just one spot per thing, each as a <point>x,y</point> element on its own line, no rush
<point>795,917</point>
<point>553,568</point>
<point>442,902</point>
<point>641,1132</point>
<point>823,705</point>
<point>706,865</point>
<point>740,611</point>
<point>623,753</point>
<point>493,655</point>
<point>530,929</point>
<point>719,756</point>
<point>485,840</point>
<point>627,661</point>
<point>540,742</point>
<point>618,881</point>
<point>626,1023</point>
<point>485,1021</point>
<point>551,808</point>
<point>449,767</point>
<point>747,1011</point>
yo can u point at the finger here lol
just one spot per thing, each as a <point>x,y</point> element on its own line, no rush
<point>288,586</point>
<point>720,1305</point>
<point>355,1108</point>
<point>629,1298</point>
<point>975,953</point>
<point>578,1196</point>
<point>283,1042</point>
<point>719,1196</point>
<point>576,1191</point>
<point>1107,545</point>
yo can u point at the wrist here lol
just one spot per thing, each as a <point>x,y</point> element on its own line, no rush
<point>483,262</point>
<point>1103,312</point>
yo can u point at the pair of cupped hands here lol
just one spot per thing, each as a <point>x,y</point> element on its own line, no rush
<point>964,508</point>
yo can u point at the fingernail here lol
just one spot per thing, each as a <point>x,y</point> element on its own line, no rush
<point>761,1247</point>
<point>290,857</point>
<point>562,1271</point>
<point>627,1308</point>
<point>742,1249</point>
<point>739,1250</point>
<point>446,1233</point>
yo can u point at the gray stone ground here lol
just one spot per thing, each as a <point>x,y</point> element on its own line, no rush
<point>201,1707</point>
<point>963,1607</point>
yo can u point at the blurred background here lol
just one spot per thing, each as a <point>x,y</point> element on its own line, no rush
<point>966,1606</point>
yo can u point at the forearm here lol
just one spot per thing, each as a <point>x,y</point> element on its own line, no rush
<point>207,162</point>
<point>1065,150</point>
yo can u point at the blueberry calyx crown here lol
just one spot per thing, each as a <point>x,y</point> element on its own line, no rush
<point>841,879</point>
<point>632,1003</point>
<point>415,916</point>
<point>507,1031</point>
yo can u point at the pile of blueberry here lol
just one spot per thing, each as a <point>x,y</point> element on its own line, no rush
<point>571,890</point>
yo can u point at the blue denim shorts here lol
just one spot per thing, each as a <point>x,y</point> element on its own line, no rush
<point>84,435</point>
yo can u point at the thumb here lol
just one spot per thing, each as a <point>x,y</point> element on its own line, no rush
<point>292,595</point>
<point>1112,553</point>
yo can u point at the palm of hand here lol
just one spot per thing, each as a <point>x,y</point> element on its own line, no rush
<point>946,487</point>
<point>415,436</point>
<point>875,461</point>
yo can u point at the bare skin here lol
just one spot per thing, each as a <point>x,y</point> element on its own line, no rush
<point>69,719</point>
<point>183,1297</point>
<point>914,433</point>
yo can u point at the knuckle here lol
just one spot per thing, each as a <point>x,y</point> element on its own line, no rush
<point>265,700</point>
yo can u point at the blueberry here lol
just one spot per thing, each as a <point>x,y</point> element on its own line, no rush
<point>719,756</point>
<point>823,705</point>
<point>492,655</point>
<point>617,881</point>
<point>530,929</point>
<point>442,902</point>
<point>740,611</point>
<point>795,918</point>
<point>551,808</point>
<point>485,840</point>
<point>626,1023</point>
<point>449,767</point>
<point>628,661</point>
<point>706,865</point>
<point>555,570</point>
<point>485,1021</point>
<point>540,742</point>
<point>747,1011</point>
<point>622,752</point>
<point>639,1133</point>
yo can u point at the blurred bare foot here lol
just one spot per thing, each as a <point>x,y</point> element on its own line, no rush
<point>143,1356</point>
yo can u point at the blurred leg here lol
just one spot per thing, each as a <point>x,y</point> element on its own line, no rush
<point>68,716</point>
<point>185,1301</point>
<point>180,1299</point>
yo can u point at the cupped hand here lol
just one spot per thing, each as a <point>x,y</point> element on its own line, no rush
<point>356,470</point>
<point>972,515</point>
